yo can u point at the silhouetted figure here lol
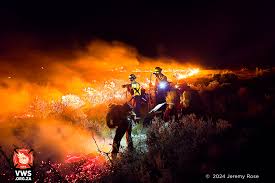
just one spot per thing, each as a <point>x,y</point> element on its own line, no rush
<point>120,117</point>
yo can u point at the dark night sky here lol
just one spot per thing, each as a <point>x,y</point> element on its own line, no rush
<point>220,33</point>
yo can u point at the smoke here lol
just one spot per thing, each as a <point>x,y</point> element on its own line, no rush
<point>50,76</point>
<point>50,138</point>
<point>39,92</point>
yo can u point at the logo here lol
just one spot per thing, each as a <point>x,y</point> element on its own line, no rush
<point>23,162</point>
<point>22,158</point>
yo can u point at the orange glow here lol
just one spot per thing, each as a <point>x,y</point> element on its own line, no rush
<point>188,73</point>
<point>93,78</point>
<point>57,93</point>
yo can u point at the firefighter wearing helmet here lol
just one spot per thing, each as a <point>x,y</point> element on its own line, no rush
<point>161,85</point>
<point>136,91</point>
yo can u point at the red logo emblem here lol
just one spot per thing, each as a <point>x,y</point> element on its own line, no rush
<point>23,158</point>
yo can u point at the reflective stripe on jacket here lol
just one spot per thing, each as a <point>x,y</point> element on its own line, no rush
<point>136,88</point>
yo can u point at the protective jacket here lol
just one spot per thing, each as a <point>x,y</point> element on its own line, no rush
<point>136,88</point>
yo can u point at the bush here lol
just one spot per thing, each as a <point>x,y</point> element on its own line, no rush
<point>171,153</point>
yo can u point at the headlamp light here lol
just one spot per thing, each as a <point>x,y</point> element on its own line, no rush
<point>162,85</point>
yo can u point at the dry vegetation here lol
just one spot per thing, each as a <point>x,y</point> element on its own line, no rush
<point>233,135</point>
<point>228,128</point>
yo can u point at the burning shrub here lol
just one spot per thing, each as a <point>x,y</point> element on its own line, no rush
<point>72,101</point>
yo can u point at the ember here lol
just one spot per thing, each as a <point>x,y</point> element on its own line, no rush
<point>67,103</point>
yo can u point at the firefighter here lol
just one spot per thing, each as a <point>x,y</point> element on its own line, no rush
<point>136,91</point>
<point>161,86</point>
<point>120,117</point>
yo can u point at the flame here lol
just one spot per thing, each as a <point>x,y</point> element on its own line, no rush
<point>51,94</point>
<point>43,98</point>
<point>92,78</point>
<point>187,73</point>
<point>73,101</point>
